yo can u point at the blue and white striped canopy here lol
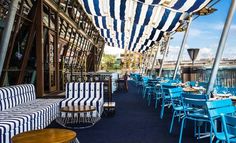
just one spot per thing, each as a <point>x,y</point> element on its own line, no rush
<point>138,24</point>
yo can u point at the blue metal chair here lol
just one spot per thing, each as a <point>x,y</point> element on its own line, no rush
<point>194,109</point>
<point>176,102</point>
<point>229,126</point>
<point>158,94</point>
<point>217,109</point>
<point>166,100</point>
<point>190,83</point>
<point>203,84</point>
<point>151,90</point>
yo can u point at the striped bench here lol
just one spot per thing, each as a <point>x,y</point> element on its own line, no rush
<point>20,111</point>
<point>84,93</point>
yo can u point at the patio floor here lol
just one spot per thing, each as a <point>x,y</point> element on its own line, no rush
<point>135,122</point>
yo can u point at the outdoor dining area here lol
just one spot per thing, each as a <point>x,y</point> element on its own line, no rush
<point>213,114</point>
<point>55,86</point>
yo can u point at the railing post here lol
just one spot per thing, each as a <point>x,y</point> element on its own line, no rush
<point>7,32</point>
<point>182,48</point>
<point>221,47</point>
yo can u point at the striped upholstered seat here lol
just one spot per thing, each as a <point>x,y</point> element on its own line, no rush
<point>20,111</point>
<point>84,93</point>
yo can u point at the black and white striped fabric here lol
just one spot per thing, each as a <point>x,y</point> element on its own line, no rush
<point>84,93</point>
<point>21,111</point>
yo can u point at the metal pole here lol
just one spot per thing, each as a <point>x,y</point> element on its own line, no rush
<point>164,55</point>
<point>7,32</point>
<point>149,59</point>
<point>143,62</point>
<point>182,48</point>
<point>155,57</point>
<point>221,47</point>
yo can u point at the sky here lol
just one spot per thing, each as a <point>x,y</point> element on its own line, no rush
<point>205,33</point>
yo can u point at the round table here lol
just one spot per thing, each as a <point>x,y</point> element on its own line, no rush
<point>50,135</point>
<point>190,89</point>
<point>78,117</point>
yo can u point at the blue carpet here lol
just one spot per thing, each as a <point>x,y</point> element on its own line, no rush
<point>134,122</point>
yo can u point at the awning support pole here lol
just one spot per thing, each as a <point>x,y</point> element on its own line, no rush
<point>155,58</point>
<point>7,32</point>
<point>182,48</point>
<point>221,47</point>
<point>148,60</point>
<point>164,54</point>
<point>143,62</point>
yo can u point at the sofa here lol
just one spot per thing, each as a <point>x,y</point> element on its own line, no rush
<point>20,111</point>
<point>84,93</point>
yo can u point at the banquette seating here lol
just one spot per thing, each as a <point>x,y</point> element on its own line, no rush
<point>85,93</point>
<point>20,111</point>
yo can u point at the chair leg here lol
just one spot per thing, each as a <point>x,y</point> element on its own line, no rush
<point>144,92</point>
<point>198,128</point>
<point>162,108</point>
<point>156,103</point>
<point>172,121</point>
<point>181,130</point>
<point>195,132</point>
<point>210,133</point>
<point>149,99</point>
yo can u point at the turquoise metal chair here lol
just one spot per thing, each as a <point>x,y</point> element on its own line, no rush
<point>194,109</point>
<point>151,90</point>
<point>190,83</point>
<point>176,102</point>
<point>146,88</point>
<point>158,94</point>
<point>203,84</point>
<point>229,126</point>
<point>221,89</point>
<point>166,100</point>
<point>216,110</point>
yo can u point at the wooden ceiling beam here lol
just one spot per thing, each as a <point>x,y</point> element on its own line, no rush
<point>70,21</point>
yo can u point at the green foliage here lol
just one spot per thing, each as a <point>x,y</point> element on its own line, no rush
<point>109,62</point>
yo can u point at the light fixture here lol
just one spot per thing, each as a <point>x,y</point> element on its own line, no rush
<point>167,2</point>
<point>181,29</point>
<point>206,11</point>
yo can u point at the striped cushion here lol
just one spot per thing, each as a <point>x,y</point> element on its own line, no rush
<point>21,112</point>
<point>14,95</point>
<point>84,93</point>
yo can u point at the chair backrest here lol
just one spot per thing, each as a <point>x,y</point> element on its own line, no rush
<point>191,83</point>
<point>176,92</point>
<point>84,89</point>
<point>174,81</point>
<point>14,95</point>
<point>203,84</point>
<point>176,95</point>
<point>196,101</point>
<point>229,125</point>
<point>218,107</point>
<point>168,85</point>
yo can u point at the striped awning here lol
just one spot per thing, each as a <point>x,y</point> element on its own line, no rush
<point>138,24</point>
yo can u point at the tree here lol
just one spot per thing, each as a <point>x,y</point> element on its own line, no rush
<point>108,62</point>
